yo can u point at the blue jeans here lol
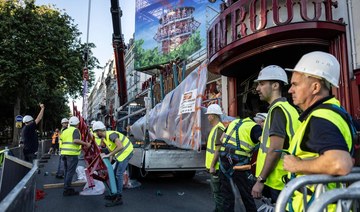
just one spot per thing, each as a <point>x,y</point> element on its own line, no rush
<point>70,163</point>
<point>60,169</point>
<point>120,168</point>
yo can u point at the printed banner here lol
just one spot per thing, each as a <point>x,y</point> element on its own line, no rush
<point>187,103</point>
<point>167,30</point>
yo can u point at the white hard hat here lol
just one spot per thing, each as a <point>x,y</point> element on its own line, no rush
<point>320,64</point>
<point>98,125</point>
<point>272,72</point>
<point>74,121</point>
<point>64,120</point>
<point>92,122</point>
<point>27,118</point>
<point>214,109</point>
<point>260,116</point>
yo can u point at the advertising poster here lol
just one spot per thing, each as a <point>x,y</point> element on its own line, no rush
<point>166,30</point>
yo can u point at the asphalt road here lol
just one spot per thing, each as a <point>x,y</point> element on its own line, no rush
<point>157,193</point>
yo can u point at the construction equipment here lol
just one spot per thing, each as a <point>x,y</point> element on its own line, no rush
<point>96,167</point>
<point>119,46</point>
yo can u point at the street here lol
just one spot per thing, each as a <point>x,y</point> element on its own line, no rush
<point>157,193</point>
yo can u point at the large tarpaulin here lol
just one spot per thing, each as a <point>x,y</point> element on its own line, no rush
<point>179,119</point>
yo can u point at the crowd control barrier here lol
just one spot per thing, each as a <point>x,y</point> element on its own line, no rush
<point>300,183</point>
<point>17,185</point>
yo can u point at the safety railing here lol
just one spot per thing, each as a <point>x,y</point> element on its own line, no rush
<point>15,151</point>
<point>300,183</point>
<point>17,187</point>
<point>44,147</point>
<point>347,199</point>
<point>211,101</point>
<point>140,111</point>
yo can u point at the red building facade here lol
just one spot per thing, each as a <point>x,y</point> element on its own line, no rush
<point>251,34</point>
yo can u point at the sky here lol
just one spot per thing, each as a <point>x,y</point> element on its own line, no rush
<point>100,31</point>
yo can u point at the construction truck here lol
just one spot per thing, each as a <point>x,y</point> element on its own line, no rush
<point>171,135</point>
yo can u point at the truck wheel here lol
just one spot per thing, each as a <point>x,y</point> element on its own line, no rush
<point>184,174</point>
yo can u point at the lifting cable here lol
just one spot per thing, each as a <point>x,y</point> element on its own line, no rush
<point>86,70</point>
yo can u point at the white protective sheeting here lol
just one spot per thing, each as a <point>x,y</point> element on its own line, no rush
<point>187,130</point>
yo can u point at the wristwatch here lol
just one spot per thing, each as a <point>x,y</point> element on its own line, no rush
<point>261,180</point>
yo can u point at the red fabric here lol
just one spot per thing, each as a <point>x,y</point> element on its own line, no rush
<point>40,194</point>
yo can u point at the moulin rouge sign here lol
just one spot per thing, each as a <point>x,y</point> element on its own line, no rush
<point>246,17</point>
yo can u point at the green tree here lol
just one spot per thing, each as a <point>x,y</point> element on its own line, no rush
<point>150,57</point>
<point>41,60</point>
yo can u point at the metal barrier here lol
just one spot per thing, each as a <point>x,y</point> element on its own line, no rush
<point>44,147</point>
<point>17,180</point>
<point>301,182</point>
<point>352,193</point>
<point>17,187</point>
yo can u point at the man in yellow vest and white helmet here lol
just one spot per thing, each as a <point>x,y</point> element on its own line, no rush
<point>97,139</point>
<point>121,149</point>
<point>323,142</point>
<point>212,152</point>
<point>60,169</point>
<point>70,150</point>
<point>279,128</point>
<point>238,144</point>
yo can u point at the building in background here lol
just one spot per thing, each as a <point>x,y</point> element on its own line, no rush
<point>280,33</point>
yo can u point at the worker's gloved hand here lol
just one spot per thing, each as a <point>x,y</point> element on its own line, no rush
<point>103,155</point>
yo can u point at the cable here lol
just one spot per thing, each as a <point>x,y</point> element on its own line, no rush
<point>87,35</point>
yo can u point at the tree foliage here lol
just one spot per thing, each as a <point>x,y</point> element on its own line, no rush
<point>41,59</point>
<point>150,57</point>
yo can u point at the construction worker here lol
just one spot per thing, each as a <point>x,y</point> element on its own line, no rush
<point>54,142</point>
<point>260,119</point>
<point>121,149</point>
<point>323,142</point>
<point>29,135</point>
<point>60,169</point>
<point>97,139</point>
<point>70,150</point>
<point>213,145</point>
<point>238,144</point>
<point>280,126</point>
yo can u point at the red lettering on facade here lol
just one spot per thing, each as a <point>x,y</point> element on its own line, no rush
<point>238,13</point>
<point>304,10</point>
<point>222,32</point>
<point>240,25</point>
<point>328,11</point>
<point>263,19</point>
<point>276,10</point>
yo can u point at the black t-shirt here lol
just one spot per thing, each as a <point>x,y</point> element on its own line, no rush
<point>76,134</point>
<point>321,135</point>
<point>278,125</point>
<point>255,134</point>
<point>30,138</point>
<point>218,136</point>
<point>113,137</point>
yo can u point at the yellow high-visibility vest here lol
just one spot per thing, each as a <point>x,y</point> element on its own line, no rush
<point>296,143</point>
<point>244,134</point>
<point>274,180</point>
<point>210,147</point>
<point>125,152</point>
<point>68,147</point>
